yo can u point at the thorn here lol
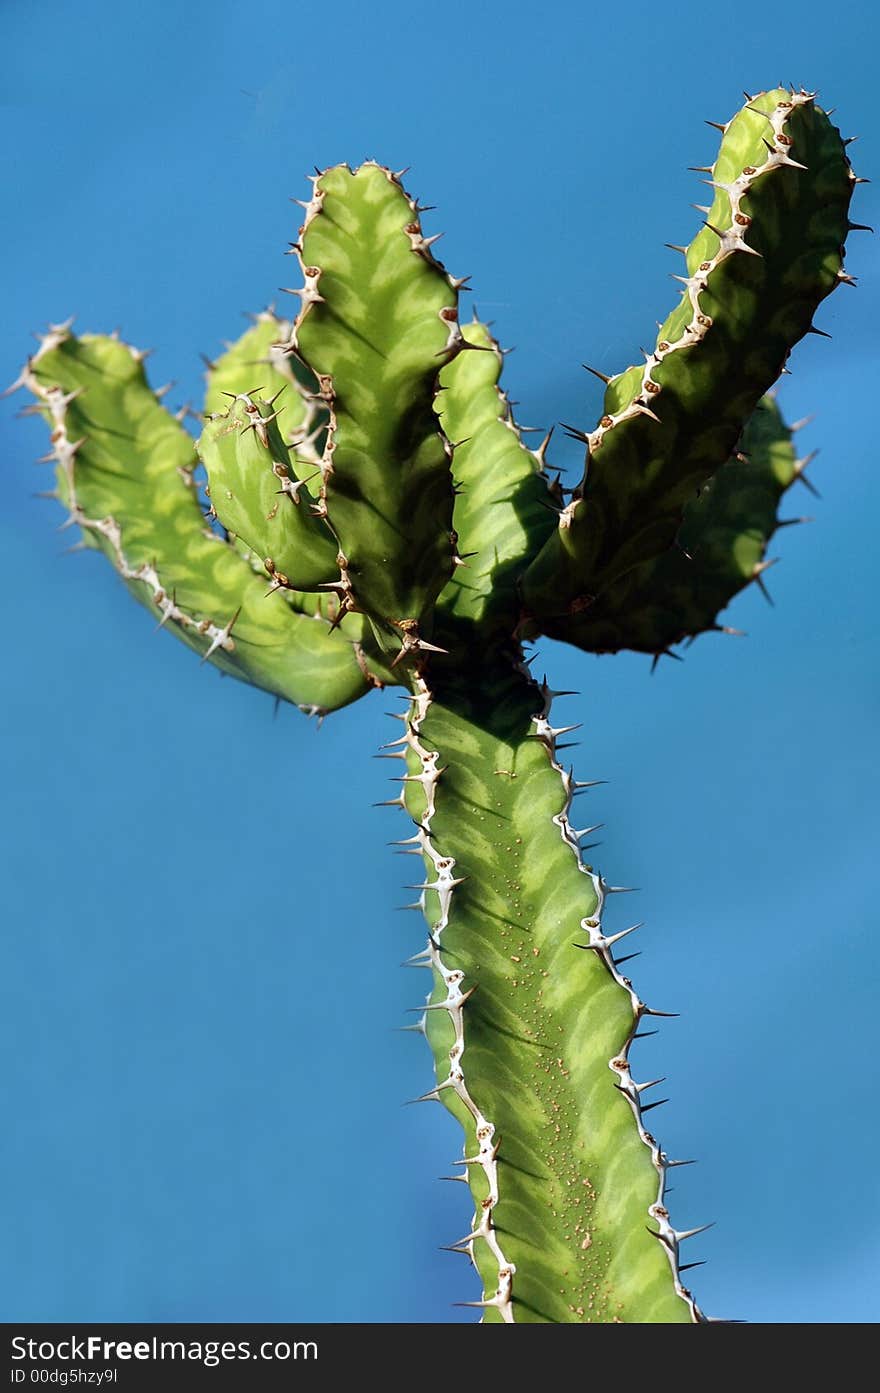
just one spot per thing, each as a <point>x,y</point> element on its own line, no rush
<point>648,1106</point>
<point>432,1096</point>
<point>573,432</point>
<point>622,933</point>
<point>418,960</point>
<point>665,653</point>
<point>716,126</point>
<point>800,474</point>
<point>596,373</point>
<point>541,452</point>
<point>670,1165</point>
<point>585,831</point>
<point>859,227</point>
<point>682,1234</point>
<point>686,1266</point>
<point>821,332</point>
<point>757,576</point>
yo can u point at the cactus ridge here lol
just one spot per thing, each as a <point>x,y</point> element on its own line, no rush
<point>451,999</point>
<point>504,505</point>
<point>378,320</point>
<point>781,179</point>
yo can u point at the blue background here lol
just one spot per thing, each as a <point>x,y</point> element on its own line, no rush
<point>201,959</point>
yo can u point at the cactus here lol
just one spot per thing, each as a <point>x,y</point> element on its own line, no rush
<point>371,518</point>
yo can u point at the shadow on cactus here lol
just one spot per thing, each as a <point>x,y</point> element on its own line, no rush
<point>371,517</point>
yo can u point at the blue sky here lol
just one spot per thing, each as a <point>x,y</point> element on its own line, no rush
<point>187,1013</point>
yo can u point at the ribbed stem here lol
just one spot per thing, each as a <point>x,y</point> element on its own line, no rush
<point>530,1021</point>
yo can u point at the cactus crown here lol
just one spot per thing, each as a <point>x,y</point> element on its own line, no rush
<point>360,511</point>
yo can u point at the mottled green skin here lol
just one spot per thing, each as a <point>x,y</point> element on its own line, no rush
<point>135,465</point>
<point>723,538</point>
<point>378,336</point>
<point>629,506</point>
<point>543,1023</point>
<point>248,462</point>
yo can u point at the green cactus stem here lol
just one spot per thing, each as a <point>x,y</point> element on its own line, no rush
<point>383,522</point>
<point>769,252</point>
<point>531,1020</point>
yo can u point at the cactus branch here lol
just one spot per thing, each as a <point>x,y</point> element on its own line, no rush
<point>125,470</point>
<point>770,250</point>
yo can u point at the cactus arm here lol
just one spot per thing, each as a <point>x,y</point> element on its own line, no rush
<point>124,470</point>
<point>530,1020</point>
<point>259,363</point>
<point>770,251</point>
<point>255,492</point>
<point>504,507</point>
<point>378,321</point>
<point>723,543</point>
